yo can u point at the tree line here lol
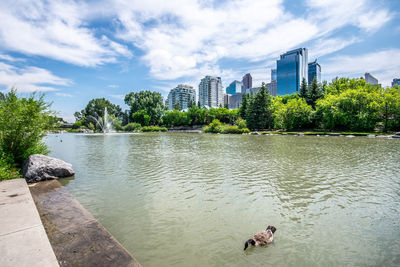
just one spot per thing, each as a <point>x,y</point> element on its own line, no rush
<point>344,104</point>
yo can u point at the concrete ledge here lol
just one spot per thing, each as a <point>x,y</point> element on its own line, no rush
<point>78,239</point>
<point>23,240</point>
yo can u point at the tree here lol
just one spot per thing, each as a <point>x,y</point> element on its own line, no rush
<point>296,114</point>
<point>177,106</point>
<point>314,93</point>
<point>149,101</point>
<point>23,123</point>
<point>258,115</point>
<point>96,107</point>
<point>303,89</point>
<point>243,106</point>
<point>141,117</point>
<point>196,116</point>
<point>175,118</point>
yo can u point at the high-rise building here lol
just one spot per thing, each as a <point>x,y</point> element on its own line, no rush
<point>234,88</point>
<point>271,87</point>
<point>395,81</point>
<point>370,79</point>
<point>183,94</point>
<point>292,67</point>
<point>314,71</point>
<point>273,74</point>
<point>210,92</point>
<point>247,82</point>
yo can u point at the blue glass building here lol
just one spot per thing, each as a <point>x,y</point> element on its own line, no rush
<point>395,81</point>
<point>292,67</point>
<point>314,71</point>
<point>234,88</point>
<point>273,74</point>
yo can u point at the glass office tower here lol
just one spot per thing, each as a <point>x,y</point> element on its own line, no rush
<point>234,88</point>
<point>292,67</point>
<point>314,71</point>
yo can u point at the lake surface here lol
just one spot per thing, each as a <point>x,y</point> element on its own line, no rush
<point>176,199</point>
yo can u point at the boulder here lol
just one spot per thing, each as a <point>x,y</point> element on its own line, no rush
<point>39,167</point>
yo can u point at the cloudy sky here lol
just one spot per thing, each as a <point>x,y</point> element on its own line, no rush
<point>78,50</point>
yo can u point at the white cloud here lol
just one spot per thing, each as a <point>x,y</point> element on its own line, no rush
<point>384,65</point>
<point>56,30</point>
<point>326,46</point>
<point>29,79</point>
<point>63,94</point>
<point>113,86</point>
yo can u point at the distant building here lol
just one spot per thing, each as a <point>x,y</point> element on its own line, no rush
<point>210,92</point>
<point>233,101</point>
<point>396,81</point>
<point>314,71</point>
<point>247,82</point>
<point>234,88</point>
<point>370,79</point>
<point>183,94</point>
<point>292,67</point>
<point>272,88</point>
<point>273,74</point>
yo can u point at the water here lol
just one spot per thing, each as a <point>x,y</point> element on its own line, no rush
<point>175,199</point>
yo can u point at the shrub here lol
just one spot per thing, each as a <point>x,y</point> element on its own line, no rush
<point>233,129</point>
<point>23,123</point>
<point>141,117</point>
<point>241,123</point>
<point>7,171</point>
<point>133,126</point>
<point>214,127</point>
<point>153,129</point>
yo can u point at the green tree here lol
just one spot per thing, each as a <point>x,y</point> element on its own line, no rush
<point>23,123</point>
<point>295,114</point>
<point>196,116</point>
<point>141,117</point>
<point>149,101</point>
<point>314,93</point>
<point>258,115</point>
<point>243,106</point>
<point>303,89</point>
<point>177,106</point>
<point>175,118</point>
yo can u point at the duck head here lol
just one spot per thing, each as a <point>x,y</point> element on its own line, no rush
<point>272,228</point>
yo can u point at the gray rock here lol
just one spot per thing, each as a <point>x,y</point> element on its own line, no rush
<point>398,133</point>
<point>39,167</point>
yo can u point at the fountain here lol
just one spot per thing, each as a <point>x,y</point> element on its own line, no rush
<point>103,123</point>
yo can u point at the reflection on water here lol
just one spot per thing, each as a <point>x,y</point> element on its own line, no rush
<point>175,199</point>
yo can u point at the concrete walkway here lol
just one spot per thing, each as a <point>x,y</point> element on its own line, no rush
<point>23,240</point>
<point>78,239</point>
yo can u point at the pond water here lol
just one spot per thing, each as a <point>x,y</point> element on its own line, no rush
<point>178,199</point>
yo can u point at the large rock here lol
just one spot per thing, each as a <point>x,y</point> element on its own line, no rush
<point>39,167</point>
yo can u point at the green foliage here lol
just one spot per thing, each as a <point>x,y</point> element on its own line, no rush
<point>217,127</point>
<point>149,101</point>
<point>258,115</point>
<point>243,106</point>
<point>133,126</point>
<point>177,106</point>
<point>296,114</point>
<point>286,98</point>
<point>175,118</point>
<point>314,93</point>
<point>153,129</point>
<point>222,114</point>
<point>196,116</point>
<point>353,109</point>
<point>23,123</point>
<point>241,123</point>
<point>141,117</point>
<point>391,109</point>
<point>303,89</point>
<point>7,170</point>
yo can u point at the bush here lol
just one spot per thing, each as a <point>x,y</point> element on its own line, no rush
<point>295,114</point>
<point>7,171</point>
<point>233,129</point>
<point>214,127</point>
<point>241,123</point>
<point>141,117</point>
<point>133,126</point>
<point>23,123</point>
<point>153,129</point>
<point>175,118</point>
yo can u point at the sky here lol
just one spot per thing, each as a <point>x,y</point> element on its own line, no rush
<point>74,51</point>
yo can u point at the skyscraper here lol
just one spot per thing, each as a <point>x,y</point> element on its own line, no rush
<point>314,71</point>
<point>292,67</point>
<point>210,91</point>
<point>234,88</point>
<point>371,79</point>
<point>273,74</point>
<point>395,81</point>
<point>183,94</point>
<point>247,82</point>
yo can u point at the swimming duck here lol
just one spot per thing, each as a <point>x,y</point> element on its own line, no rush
<point>262,238</point>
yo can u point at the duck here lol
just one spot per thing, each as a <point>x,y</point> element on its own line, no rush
<point>262,238</point>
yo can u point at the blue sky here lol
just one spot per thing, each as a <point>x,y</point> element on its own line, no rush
<point>74,51</point>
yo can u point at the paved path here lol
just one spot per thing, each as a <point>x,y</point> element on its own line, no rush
<point>23,240</point>
<point>78,239</point>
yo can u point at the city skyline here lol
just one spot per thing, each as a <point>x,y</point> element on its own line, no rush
<point>75,51</point>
